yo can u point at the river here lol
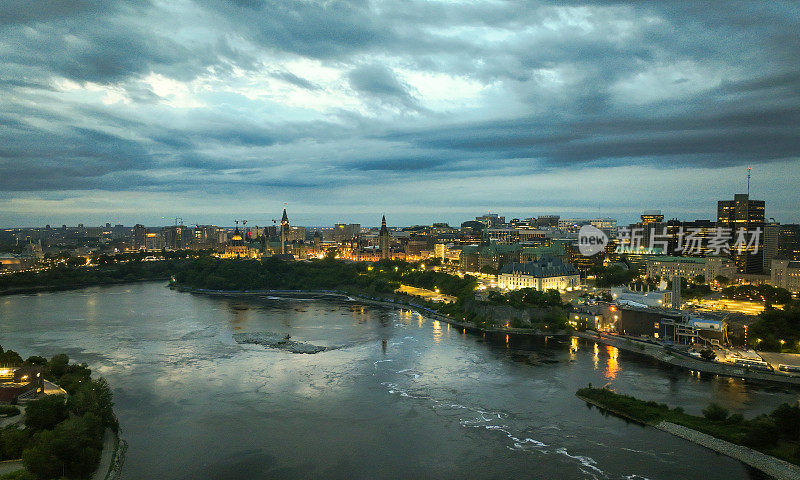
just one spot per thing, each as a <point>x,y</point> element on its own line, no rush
<point>397,395</point>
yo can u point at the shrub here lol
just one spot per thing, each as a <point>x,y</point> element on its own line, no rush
<point>787,421</point>
<point>736,419</point>
<point>14,441</point>
<point>18,475</point>
<point>715,412</point>
<point>9,410</point>
<point>46,413</point>
<point>762,433</point>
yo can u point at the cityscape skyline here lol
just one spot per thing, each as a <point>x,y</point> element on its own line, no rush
<point>399,216</point>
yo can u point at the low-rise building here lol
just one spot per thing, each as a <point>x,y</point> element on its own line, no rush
<point>547,273</point>
<point>474,257</point>
<point>598,316</point>
<point>16,381</point>
<point>786,274</point>
<point>690,267</point>
<point>651,298</point>
<point>671,326</point>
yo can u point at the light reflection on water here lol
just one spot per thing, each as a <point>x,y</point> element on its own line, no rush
<point>613,365</point>
<point>402,398</point>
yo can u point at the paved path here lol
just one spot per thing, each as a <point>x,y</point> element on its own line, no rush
<point>4,422</point>
<point>775,467</point>
<point>106,457</point>
<point>10,466</point>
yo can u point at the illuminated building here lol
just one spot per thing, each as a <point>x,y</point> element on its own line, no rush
<point>652,216</point>
<point>671,326</point>
<point>383,239</point>
<point>474,257</point>
<point>547,273</point>
<point>343,232</point>
<point>139,232</point>
<point>788,242</point>
<point>153,241</point>
<point>207,234</point>
<point>284,231</point>
<point>472,232</point>
<point>652,298</point>
<point>573,225</point>
<point>743,213</point>
<point>238,247</point>
<point>547,221</point>
<point>555,248</point>
<point>16,381</point>
<point>786,274</point>
<point>689,267</point>
<point>491,220</point>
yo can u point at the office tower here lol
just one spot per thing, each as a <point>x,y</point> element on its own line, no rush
<point>652,216</point>
<point>743,213</point>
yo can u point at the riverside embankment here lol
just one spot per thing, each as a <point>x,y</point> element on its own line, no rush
<point>677,359</point>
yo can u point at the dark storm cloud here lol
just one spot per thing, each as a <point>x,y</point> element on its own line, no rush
<point>314,29</point>
<point>724,90</point>
<point>397,164</point>
<point>103,42</point>
<point>380,83</point>
<point>295,80</point>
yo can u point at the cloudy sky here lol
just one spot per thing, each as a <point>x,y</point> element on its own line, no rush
<point>210,110</point>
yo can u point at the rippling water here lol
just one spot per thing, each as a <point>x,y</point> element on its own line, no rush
<point>404,396</point>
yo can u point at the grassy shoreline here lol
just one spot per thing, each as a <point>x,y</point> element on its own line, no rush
<point>766,434</point>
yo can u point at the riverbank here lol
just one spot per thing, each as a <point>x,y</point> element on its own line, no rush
<point>77,286</point>
<point>112,457</point>
<point>676,422</point>
<point>658,352</point>
<point>367,299</point>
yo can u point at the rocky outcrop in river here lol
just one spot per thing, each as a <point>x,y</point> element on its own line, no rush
<point>276,340</point>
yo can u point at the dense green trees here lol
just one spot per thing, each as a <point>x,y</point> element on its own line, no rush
<point>274,274</point>
<point>67,277</point>
<point>758,293</point>
<point>526,298</point>
<point>9,357</point>
<point>71,449</point>
<point>13,441</point>
<point>63,437</point>
<point>446,283</point>
<point>488,270</point>
<point>271,273</point>
<point>46,413</point>
<point>613,275</point>
<point>774,325</point>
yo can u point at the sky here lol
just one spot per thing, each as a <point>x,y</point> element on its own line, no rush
<point>137,111</point>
